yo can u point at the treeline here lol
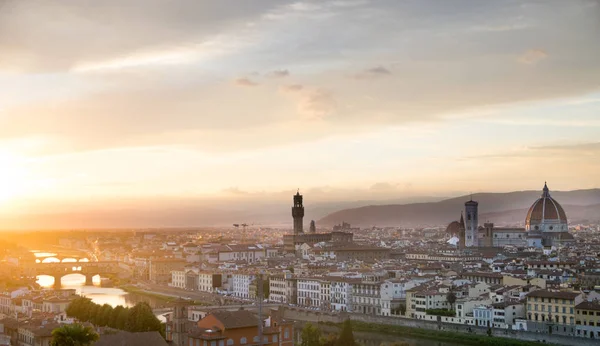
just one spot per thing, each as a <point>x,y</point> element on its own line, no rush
<point>461,338</point>
<point>139,318</point>
<point>441,312</point>
<point>312,336</point>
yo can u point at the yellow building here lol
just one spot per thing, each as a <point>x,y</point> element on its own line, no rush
<point>552,310</point>
<point>587,319</point>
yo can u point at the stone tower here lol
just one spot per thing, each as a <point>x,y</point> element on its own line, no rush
<point>461,233</point>
<point>313,227</point>
<point>178,323</point>
<point>471,223</point>
<point>298,214</point>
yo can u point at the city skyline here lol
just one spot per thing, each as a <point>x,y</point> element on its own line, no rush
<point>351,99</point>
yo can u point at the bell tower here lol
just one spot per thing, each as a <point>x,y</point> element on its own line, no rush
<point>471,224</point>
<point>298,213</point>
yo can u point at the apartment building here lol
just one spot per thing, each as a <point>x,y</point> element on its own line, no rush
<point>587,319</point>
<point>341,293</point>
<point>311,292</point>
<point>552,309</point>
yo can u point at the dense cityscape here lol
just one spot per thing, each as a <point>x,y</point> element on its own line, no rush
<point>540,282</point>
<point>299,172</point>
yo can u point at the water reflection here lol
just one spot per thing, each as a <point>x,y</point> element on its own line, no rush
<point>100,295</point>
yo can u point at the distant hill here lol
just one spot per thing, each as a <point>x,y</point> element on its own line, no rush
<point>500,208</point>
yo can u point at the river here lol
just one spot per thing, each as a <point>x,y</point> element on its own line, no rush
<point>99,295</point>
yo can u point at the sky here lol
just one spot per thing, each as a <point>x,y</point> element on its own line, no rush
<point>113,101</point>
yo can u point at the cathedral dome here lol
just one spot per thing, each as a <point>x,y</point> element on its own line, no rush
<point>546,215</point>
<point>453,228</point>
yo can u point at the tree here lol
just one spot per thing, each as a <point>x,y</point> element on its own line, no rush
<point>451,298</point>
<point>311,335</point>
<point>142,319</point>
<point>346,337</point>
<point>104,314</point>
<point>73,335</point>
<point>122,319</point>
<point>114,316</point>
<point>329,340</point>
<point>402,309</point>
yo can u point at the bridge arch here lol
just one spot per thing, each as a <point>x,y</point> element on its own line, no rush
<point>88,269</point>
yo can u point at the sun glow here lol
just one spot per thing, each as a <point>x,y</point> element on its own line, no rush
<point>12,177</point>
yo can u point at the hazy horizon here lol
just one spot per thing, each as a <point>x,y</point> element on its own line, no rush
<point>118,105</point>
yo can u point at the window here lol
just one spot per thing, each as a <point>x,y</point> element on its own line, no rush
<point>286,333</point>
<point>230,342</point>
<point>243,341</point>
<point>275,338</point>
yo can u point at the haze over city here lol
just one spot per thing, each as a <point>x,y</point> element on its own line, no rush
<point>106,105</point>
<point>299,172</point>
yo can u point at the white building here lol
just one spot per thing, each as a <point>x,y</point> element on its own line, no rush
<point>246,253</point>
<point>309,292</point>
<point>209,281</point>
<point>240,285</point>
<point>341,293</point>
<point>393,293</point>
<point>282,288</point>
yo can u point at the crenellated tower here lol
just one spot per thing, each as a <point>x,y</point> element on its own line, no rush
<point>298,214</point>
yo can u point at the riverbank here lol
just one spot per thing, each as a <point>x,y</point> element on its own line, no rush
<point>164,297</point>
<point>437,335</point>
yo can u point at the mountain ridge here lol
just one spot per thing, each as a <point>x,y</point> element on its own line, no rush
<point>501,208</point>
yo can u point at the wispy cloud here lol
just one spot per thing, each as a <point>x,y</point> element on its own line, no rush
<point>374,72</point>
<point>292,88</point>
<point>317,104</point>
<point>245,82</point>
<point>279,73</point>
<point>532,56</point>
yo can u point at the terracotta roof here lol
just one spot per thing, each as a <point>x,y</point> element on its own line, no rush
<point>236,319</point>
<point>131,339</point>
<point>544,209</point>
<point>595,305</point>
<point>554,294</point>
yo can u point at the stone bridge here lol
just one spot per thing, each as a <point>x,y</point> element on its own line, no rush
<point>89,269</point>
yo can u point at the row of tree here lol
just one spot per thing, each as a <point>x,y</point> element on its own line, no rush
<point>312,336</point>
<point>139,318</point>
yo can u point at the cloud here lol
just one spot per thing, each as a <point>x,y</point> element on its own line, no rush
<point>382,187</point>
<point>317,104</point>
<point>292,88</point>
<point>373,72</point>
<point>245,82</point>
<point>532,56</point>
<point>91,34</point>
<point>279,73</point>
<point>234,190</point>
<point>500,28</point>
<point>580,148</point>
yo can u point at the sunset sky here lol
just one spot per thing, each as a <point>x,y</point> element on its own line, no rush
<point>347,99</point>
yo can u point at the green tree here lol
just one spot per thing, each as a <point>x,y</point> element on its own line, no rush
<point>73,335</point>
<point>142,319</point>
<point>451,298</point>
<point>93,314</point>
<point>122,319</point>
<point>346,337</point>
<point>114,316</point>
<point>266,288</point>
<point>311,335</point>
<point>329,340</point>
<point>104,314</point>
